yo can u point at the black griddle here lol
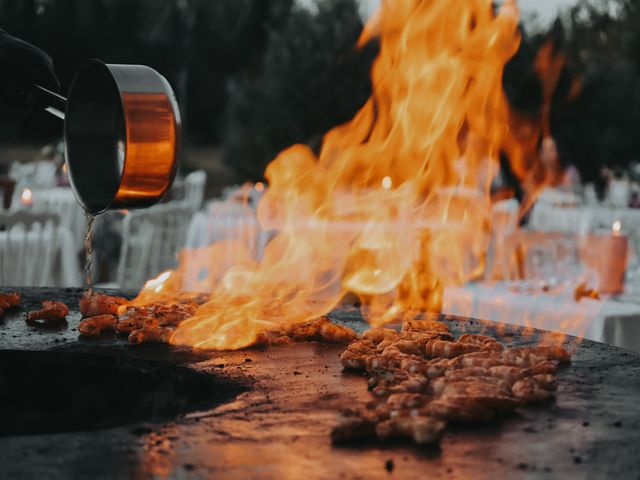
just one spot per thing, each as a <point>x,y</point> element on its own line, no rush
<point>275,420</point>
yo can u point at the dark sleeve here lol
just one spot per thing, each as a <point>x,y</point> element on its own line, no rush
<point>21,66</point>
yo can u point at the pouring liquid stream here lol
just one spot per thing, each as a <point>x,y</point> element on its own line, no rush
<point>88,254</point>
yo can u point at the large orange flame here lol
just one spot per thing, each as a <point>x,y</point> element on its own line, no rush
<point>397,203</point>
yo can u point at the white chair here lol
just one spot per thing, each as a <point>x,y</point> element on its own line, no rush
<point>151,240</point>
<point>22,171</point>
<point>61,201</point>
<point>28,247</point>
<point>45,174</point>
<point>194,184</point>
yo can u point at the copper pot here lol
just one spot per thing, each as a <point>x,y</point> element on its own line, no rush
<point>122,136</point>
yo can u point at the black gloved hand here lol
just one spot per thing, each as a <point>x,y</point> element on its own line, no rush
<point>22,65</point>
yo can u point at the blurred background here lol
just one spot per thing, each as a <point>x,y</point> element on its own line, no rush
<point>254,76</point>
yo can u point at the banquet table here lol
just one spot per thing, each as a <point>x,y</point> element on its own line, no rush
<point>552,218</point>
<point>610,320</point>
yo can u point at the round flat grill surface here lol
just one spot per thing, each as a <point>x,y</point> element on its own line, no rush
<point>282,404</point>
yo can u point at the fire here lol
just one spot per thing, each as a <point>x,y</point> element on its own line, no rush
<point>395,206</point>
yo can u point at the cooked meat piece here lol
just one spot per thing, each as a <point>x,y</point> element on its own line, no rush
<point>407,347</point>
<point>51,311</point>
<point>552,353</point>
<point>422,430</point>
<point>424,337</point>
<point>460,409</point>
<point>415,364</point>
<point>353,360</point>
<point>437,368</point>
<point>356,354</point>
<point>149,334</point>
<point>274,336</point>
<point>387,377</point>
<point>319,329</point>
<point>175,314</point>
<point>9,300</point>
<point>461,373</point>
<point>482,359</point>
<point>390,359</point>
<point>532,356</point>
<point>333,333</point>
<point>377,335</point>
<point>508,373</point>
<point>441,348</point>
<point>424,326</point>
<point>400,401</point>
<point>447,387</point>
<point>99,304</point>
<point>352,426</point>
<point>400,382</point>
<point>546,381</point>
<point>487,343</point>
<point>305,331</point>
<point>129,324</point>
<point>528,390</point>
<point>94,326</point>
<point>548,366</point>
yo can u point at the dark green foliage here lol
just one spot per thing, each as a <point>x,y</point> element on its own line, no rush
<point>602,126</point>
<point>196,44</point>
<point>259,75</point>
<point>599,127</point>
<point>312,78</point>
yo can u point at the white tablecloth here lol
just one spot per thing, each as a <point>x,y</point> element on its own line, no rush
<point>549,218</point>
<point>66,267</point>
<point>607,320</point>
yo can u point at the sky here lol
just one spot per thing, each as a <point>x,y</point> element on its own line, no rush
<point>545,9</point>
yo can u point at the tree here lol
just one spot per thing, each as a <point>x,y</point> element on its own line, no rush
<point>312,78</point>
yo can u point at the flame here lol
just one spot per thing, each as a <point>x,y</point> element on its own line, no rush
<point>394,207</point>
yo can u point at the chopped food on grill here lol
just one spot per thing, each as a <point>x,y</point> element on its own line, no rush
<point>94,304</point>
<point>151,334</point>
<point>51,311</point>
<point>421,378</point>
<point>421,430</point>
<point>94,326</point>
<point>531,389</point>
<point>353,426</point>
<point>8,300</point>
<point>425,326</point>
<point>318,329</point>
<point>132,319</point>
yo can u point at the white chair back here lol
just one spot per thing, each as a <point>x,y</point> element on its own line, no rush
<point>194,184</point>
<point>27,248</point>
<point>151,240</point>
<point>22,171</point>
